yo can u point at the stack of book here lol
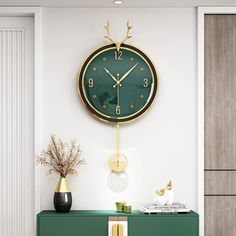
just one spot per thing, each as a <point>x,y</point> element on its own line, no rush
<point>152,208</point>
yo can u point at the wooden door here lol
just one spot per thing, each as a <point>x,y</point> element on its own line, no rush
<point>220,125</point>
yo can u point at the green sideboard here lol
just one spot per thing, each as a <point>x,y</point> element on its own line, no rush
<point>95,223</point>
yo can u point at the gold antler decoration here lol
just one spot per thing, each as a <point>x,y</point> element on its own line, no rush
<point>107,28</point>
<point>118,44</point>
<point>127,37</point>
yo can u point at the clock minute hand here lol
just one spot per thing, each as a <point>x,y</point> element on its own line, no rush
<point>113,77</point>
<point>126,74</point>
<point>118,92</point>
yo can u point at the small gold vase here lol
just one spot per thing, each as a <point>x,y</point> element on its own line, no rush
<point>62,196</point>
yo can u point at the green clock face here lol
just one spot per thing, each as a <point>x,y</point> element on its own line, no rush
<point>118,86</point>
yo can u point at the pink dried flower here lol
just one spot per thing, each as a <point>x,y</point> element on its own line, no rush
<point>61,158</point>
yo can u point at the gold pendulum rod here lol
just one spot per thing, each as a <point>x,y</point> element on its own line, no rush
<point>117,162</point>
<point>118,142</point>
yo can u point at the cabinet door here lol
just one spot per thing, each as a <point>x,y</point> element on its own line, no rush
<point>220,125</point>
<point>220,215</point>
<point>72,226</point>
<point>163,226</point>
<point>220,95</point>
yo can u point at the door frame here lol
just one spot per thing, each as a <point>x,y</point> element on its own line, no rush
<point>34,12</point>
<point>202,11</point>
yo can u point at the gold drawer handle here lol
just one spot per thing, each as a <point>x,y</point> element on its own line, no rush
<point>117,230</point>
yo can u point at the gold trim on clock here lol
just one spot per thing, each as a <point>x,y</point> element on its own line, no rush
<point>111,119</point>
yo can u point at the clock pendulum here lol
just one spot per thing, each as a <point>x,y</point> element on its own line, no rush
<point>117,161</point>
<point>117,84</point>
<point>117,178</point>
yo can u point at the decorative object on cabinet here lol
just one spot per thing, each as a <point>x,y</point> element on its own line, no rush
<point>127,209</point>
<point>165,195</point>
<point>123,207</point>
<point>120,206</point>
<point>170,196</point>
<point>62,197</point>
<point>117,84</point>
<point>63,159</point>
<point>160,198</point>
<point>153,208</point>
<point>96,223</point>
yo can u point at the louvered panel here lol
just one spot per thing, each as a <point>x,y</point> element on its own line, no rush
<point>13,181</point>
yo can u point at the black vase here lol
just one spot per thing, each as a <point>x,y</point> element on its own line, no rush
<point>62,196</point>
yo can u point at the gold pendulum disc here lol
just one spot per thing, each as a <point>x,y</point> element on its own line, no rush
<point>117,163</point>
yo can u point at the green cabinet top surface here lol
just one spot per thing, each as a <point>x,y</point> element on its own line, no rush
<point>90,223</point>
<point>84,213</point>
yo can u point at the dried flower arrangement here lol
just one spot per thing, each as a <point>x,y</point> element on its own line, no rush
<point>61,158</point>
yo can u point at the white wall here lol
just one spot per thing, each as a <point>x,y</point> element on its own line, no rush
<point>161,146</point>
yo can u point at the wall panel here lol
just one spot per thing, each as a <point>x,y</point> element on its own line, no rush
<point>16,126</point>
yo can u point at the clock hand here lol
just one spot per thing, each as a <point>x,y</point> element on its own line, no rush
<point>118,92</point>
<point>118,96</point>
<point>113,77</point>
<point>125,75</point>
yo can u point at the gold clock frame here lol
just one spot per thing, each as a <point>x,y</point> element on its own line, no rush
<point>121,120</point>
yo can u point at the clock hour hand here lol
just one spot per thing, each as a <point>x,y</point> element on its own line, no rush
<point>125,75</point>
<point>113,77</point>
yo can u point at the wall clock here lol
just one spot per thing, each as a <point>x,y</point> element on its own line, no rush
<point>117,84</point>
